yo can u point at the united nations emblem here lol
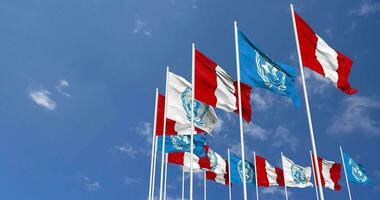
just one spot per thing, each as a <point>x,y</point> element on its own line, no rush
<point>272,77</point>
<point>299,174</point>
<point>213,159</point>
<point>200,109</point>
<point>181,142</point>
<point>358,172</point>
<point>249,173</point>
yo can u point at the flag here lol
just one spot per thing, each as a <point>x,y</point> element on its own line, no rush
<point>219,178</point>
<point>267,175</point>
<point>184,159</point>
<point>171,128</point>
<point>213,86</point>
<point>320,57</point>
<point>214,162</point>
<point>179,107</point>
<point>181,143</point>
<point>296,175</point>
<point>330,172</point>
<point>258,70</point>
<point>356,173</point>
<point>237,170</point>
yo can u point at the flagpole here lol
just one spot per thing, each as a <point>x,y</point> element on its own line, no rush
<point>154,166</point>
<point>315,180</point>
<point>163,135</point>
<point>183,183</point>
<point>257,186</point>
<point>286,190</point>
<point>240,111</point>
<point>345,173</point>
<point>229,175</point>
<point>153,145</point>
<point>166,174</point>
<point>192,119</point>
<point>307,104</point>
<point>204,186</point>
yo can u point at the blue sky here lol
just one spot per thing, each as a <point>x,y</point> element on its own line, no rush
<point>77,88</point>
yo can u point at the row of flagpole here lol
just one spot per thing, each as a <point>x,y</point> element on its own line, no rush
<point>314,155</point>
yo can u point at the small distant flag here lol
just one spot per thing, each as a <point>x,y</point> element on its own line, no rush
<point>219,178</point>
<point>356,172</point>
<point>184,159</point>
<point>236,169</point>
<point>296,175</point>
<point>258,70</point>
<point>181,143</point>
<point>213,86</point>
<point>330,172</point>
<point>267,175</point>
<point>179,107</point>
<point>218,167</point>
<point>320,57</point>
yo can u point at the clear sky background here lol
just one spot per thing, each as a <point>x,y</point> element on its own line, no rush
<point>77,85</point>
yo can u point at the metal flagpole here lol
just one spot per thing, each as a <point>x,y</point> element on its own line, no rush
<point>286,190</point>
<point>154,166</point>
<point>257,186</point>
<point>307,104</point>
<point>166,174</point>
<point>192,120</point>
<point>153,145</point>
<point>183,183</point>
<point>240,110</point>
<point>204,186</point>
<point>315,180</point>
<point>229,175</point>
<point>163,135</point>
<point>345,173</point>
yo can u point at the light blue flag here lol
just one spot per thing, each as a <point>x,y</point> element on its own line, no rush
<point>181,143</point>
<point>236,169</point>
<point>355,172</point>
<point>258,70</point>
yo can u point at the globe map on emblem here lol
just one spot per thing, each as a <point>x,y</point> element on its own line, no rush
<point>299,174</point>
<point>249,173</point>
<point>200,109</point>
<point>213,159</point>
<point>272,77</point>
<point>358,172</point>
<point>181,142</point>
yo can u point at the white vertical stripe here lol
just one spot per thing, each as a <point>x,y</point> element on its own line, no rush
<point>326,166</point>
<point>271,174</point>
<point>328,58</point>
<point>225,91</point>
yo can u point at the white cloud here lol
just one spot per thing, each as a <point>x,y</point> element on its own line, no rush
<point>127,149</point>
<point>142,27</point>
<point>145,129</point>
<point>91,185</point>
<point>218,126</point>
<point>262,100</point>
<point>274,190</point>
<point>366,8</point>
<point>316,83</point>
<point>130,180</point>
<point>41,97</point>
<point>283,137</point>
<point>355,114</point>
<point>62,84</point>
<point>256,131</point>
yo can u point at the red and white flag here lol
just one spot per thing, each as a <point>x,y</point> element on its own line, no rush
<point>267,175</point>
<point>320,57</point>
<point>179,107</point>
<point>219,178</point>
<point>184,159</point>
<point>330,173</point>
<point>171,128</point>
<point>217,167</point>
<point>215,87</point>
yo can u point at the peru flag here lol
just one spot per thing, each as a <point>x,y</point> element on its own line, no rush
<point>170,124</point>
<point>213,86</point>
<point>219,178</point>
<point>184,159</point>
<point>320,57</point>
<point>330,173</point>
<point>267,175</point>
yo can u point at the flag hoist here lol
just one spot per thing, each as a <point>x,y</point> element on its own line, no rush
<point>313,145</point>
<point>240,110</point>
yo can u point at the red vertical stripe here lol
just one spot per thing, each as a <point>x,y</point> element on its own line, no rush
<point>335,174</point>
<point>280,176</point>
<point>245,100</point>
<point>320,171</point>
<point>176,158</point>
<point>344,68</point>
<point>261,172</point>
<point>205,79</point>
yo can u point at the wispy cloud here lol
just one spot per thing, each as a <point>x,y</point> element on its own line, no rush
<point>355,114</point>
<point>62,85</point>
<point>316,84</point>
<point>91,185</point>
<point>283,137</point>
<point>130,180</point>
<point>127,149</point>
<point>366,8</point>
<point>256,131</point>
<point>274,191</point>
<point>145,129</point>
<point>142,28</point>
<point>218,126</point>
<point>42,98</point>
<point>262,100</point>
